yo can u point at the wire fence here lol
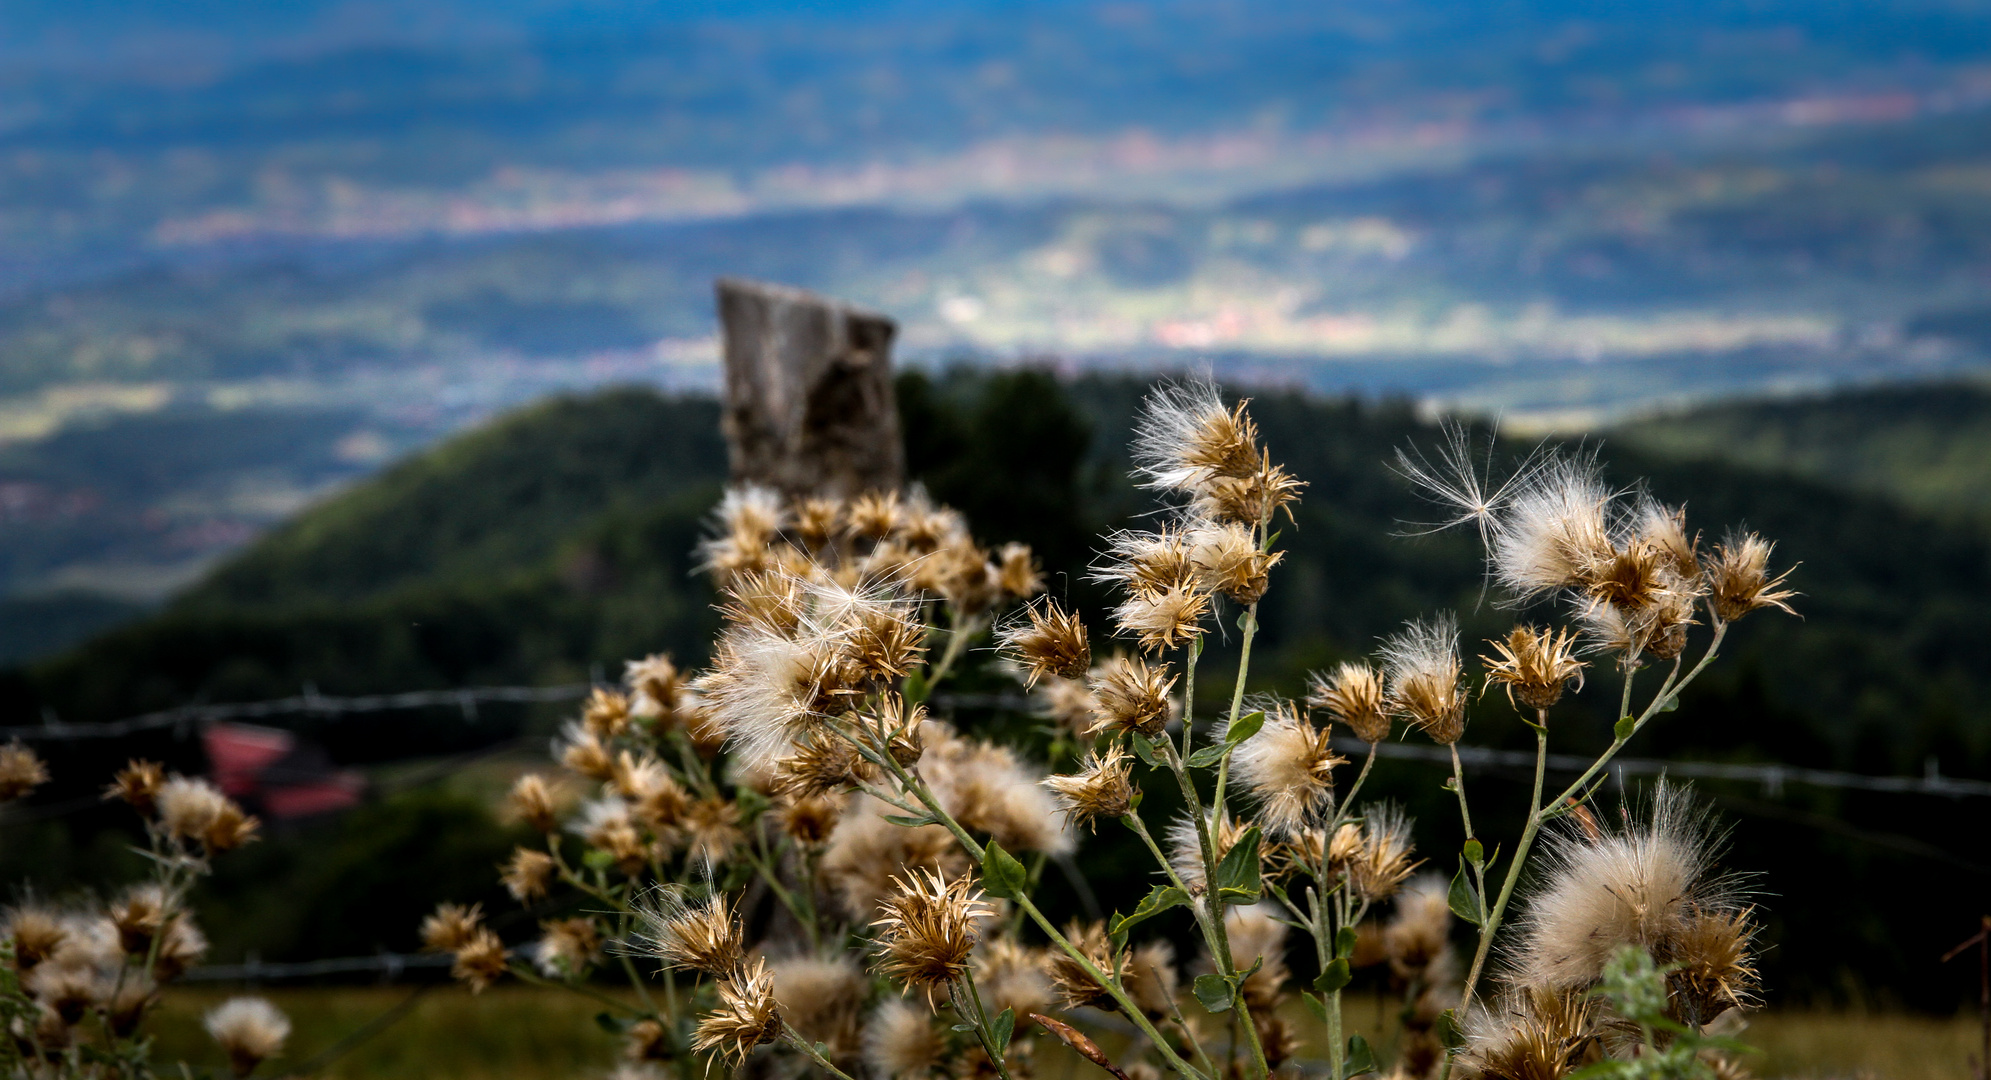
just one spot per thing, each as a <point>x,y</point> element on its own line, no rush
<point>1772,777</point>
<point>389,966</point>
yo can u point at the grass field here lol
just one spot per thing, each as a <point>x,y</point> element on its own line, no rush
<point>524,1034</point>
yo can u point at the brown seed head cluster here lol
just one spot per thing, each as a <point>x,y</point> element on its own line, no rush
<point>1288,768</point>
<point>1534,665</point>
<point>528,874</point>
<point>685,933</point>
<point>929,929</point>
<point>1421,665</point>
<point>1076,986</point>
<point>1048,641</point>
<point>1129,694</point>
<point>20,771</point>
<point>249,1031</point>
<point>192,810</point>
<point>1352,695</point>
<point>1740,581</point>
<point>745,1017</point>
<point>137,785</point>
<point>1102,788</point>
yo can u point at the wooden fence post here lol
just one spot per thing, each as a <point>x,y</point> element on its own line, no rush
<point>809,403</point>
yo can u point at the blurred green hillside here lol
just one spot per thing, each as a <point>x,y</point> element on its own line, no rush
<point>555,543</point>
<point>1926,446</point>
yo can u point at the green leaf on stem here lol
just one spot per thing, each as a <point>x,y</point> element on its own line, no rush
<point>1463,899</point>
<point>1144,750</point>
<point>1344,941</point>
<point>1624,727</point>
<point>1239,871</point>
<point>963,1028</point>
<point>1315,1005</point>
<point>1671,703</point>
<point>598,860</point>
<point>1475,853</point>
<point>1208,756</point>
<point>911,822</point>
<point>1002,1028</point>
<point>1335,976</point>
<point>1158,900</point>
<point>1213,992</point>
<point>1246,726</point>
<point>1002,875</point>
<point>1360,1058</point>
<point>1244,620</point>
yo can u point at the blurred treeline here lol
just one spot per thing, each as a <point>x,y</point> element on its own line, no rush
<point>554,544</point>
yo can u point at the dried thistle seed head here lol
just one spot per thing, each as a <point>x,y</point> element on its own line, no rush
<point>139,915</point>
<point>1185,435</point>
<point>901,1041</point>
<point>701,935</point>
<point>1534,665</point>
<point>188,807</point>
<point>1528,1035</point>
<point>528,874</point>
<point>1150,978</point>
<point>1640,883</point>
<point>583,753</point>
<point>137,784</point>
<point>1288,768</point>
<point>881,641</point>
<point>1226,559</point>
<point>1018,572</point>
<point>1102,788</point>
<point>1352,695</point>
<point>816,521</point>
<point>900,731</point>
<point>605,714</point>
<point>821,764</point>
<point>1664,530</point>
<point>1143,561</point>
<point>567,947</point>
<point>1010,976</point>
<point>1131,696</point>
<point>1634,578</point>
<point>1418,934</point>
<point>230,829</point>
<point>1665,633</point>
<point>987,789</point>
<point>249,1030</point>
<point>929,929</point>
<point>480,961</point>
<point>1076,986</point>
<point>1422,667</point>
<point>1739,578</point>
<point>768,600</point>
<point>1045,639</point>
<point>532,801</point>
<point>21,771</point>
<point>866,850</point>
<point>181,946</point>
<point>1554,530</point>
<point>36,934</point>
<point>646,1040</point>
<point>1066,703</point>
<point>1714,966</point>
<point>1249,500</point>
<point>1384,861</point>
<point>809,820</point>
<point>657,690</point>
<point>711,828</point>
<point>1163,618</point>
<point>820,998</point>
<point>875,515</point>
<point>451,927</point>
<point>963,575</point>
<point>655,797</point>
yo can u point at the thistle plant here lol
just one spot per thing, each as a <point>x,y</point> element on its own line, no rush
<point>78,981</point>
<point>888,864</point>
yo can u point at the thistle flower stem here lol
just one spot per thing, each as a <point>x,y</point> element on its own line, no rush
<point>758,855</point>
<point>1132,1011</point>
<point>1133,821</point>
<point>798,1043</point>
<point>979,1016</point>
<point>1465,816</point>
<point>1354,789</point>
<point>629,964</point>
<point>1237,699</point>
<point>1543,811</point>
<point>1194,652</point>
<point>958,633</point>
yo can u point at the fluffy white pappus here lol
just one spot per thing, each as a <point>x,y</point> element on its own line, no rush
<point>820,997</point>
<point>900,1040</point>
<point>1185,845</point>
<point>1287,768</point>
<point>1462,486</point>
<point>188,805</point>
<point>986,789</point>
<point>248,1029</point>
<point>598,816</point>
<point>866,851</point>
<point>1255,931</point>
<point>1173,419</point>
<point>1637,883</point>
<point>1424,648</point>
<point>770,691</point>
<point>751,513</point>
<point>1556,525</point>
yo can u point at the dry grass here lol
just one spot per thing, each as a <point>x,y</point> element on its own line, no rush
<point>521,1033</point>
